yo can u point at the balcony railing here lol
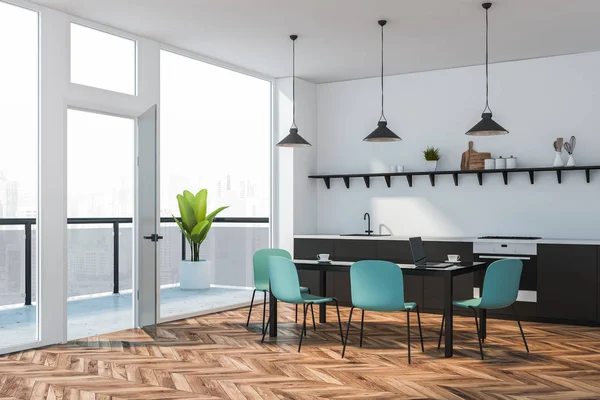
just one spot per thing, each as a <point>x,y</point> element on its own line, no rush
<point>29,223</point>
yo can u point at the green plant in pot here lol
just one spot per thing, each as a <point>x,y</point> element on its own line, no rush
<point>432,156</point>
<point>195,225</point>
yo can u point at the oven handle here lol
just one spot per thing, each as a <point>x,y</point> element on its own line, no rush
<point>504,257</point>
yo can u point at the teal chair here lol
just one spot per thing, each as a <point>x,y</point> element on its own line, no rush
<point>379,286</point>
<point>261,280</point>
<point>283,278</point>
<point>500,290</point>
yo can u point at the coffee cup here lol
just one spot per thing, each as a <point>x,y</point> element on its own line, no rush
<point>453,257</point>
<point>323,257</point>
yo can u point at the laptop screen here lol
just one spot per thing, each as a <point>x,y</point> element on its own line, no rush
<point>417,250</point>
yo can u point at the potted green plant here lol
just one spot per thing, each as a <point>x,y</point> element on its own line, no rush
<point>195,225</point>
<point>432,156</point>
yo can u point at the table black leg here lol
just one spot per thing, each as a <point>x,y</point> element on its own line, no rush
<point>448,289</point>
<point>483,312</point>
<point>322,292</point>
<point>483,324</point>
<point>272,315</point>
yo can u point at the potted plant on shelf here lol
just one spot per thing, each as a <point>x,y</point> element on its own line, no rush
<point>432,156</point>
<point>194,225</point>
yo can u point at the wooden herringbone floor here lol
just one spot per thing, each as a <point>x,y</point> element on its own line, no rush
<point>216,356</point>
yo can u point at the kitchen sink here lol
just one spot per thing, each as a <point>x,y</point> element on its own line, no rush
<point>365,234</point>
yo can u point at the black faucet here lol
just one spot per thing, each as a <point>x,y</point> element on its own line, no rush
<point>367,217</point>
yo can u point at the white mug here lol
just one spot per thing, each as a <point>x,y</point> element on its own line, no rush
<point>400,168</point>
<point>323,257</point>
<point>453,257</point>
<point>393,169</point>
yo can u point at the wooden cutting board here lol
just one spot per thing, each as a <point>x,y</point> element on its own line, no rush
<point>473,160</point>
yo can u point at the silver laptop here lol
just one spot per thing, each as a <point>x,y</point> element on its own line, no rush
<point>420,258</point>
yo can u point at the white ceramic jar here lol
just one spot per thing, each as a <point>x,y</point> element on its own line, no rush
<point>500,163</point>
<point>489,163</point>
<point>511,162</point>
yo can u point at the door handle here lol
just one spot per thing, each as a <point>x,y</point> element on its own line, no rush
<point>504,257</point>
<point>154,237</point>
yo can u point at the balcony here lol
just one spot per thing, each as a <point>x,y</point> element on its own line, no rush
<point>100,269</point>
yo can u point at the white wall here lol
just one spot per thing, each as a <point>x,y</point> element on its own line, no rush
<point>296,196</point>
<point>536,100</point>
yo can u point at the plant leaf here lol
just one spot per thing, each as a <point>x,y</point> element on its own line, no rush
<point>213,214</point>
<point>200,204</point>
<point>182,229</point>
<point>187,213</point>
<point>196,234</point>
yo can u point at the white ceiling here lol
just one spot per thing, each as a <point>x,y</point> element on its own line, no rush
<point>339,39</point>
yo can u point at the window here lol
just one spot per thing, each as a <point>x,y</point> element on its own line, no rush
<point>18,174</point>
<point>215,134</point>
<point>102,60</point>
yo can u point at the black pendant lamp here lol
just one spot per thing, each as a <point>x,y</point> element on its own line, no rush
<point>382,133</point>
<point>487,126</point>
<point>293,139</point>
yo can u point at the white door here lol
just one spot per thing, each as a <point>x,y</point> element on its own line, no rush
<point>146,222</point>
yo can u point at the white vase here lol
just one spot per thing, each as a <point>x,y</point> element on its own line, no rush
<point>195,275</point>
<point>571,161</point>
<point>558,161</point>
<point>431,165</point>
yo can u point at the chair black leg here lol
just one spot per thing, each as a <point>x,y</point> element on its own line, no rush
<point>265,330</point>
<point>251,304</point>
<point>304,311</point>
<point>478,333</point>
<point>441,330</point>
<point>420,330</point>
<point>520,328</point>
<point>408,331</point>
<point>303,332</point>
<point>337,308</point>
<point>362,323</point>
<point>347,332</point>
<point>312,311</point>
<point>296,320</point>
<point>264,308</point>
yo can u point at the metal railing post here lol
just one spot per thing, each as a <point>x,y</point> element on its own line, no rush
<point>115,257</point>
<point>28,263</point>
<point>183,246</point>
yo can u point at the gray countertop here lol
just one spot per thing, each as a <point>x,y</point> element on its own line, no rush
<point>591,242</point>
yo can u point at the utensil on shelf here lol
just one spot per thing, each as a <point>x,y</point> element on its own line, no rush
<point>567,147</point>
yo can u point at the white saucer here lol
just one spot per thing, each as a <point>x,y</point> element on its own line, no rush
<point>453,262</point>
<point>323,262</point>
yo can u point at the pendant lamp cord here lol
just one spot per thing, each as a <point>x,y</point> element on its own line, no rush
<point>294,84</point>
<point>487,89</point>
<point>382,118</point>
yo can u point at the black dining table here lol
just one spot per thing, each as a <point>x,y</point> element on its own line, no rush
<point>447,273</point>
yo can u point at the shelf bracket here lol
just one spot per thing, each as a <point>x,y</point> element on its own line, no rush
<point>455,177</point>
<point>531,177</point>
<point>559,176</point>
<point>480,178</point>
<point>347,181</point>
<point>367,181</point>
<point>327,182</point>
<point>388,180</point>
<point>432,179</point>
<point>587,175</point>
<point>409,180</point>
<point>505,177</point>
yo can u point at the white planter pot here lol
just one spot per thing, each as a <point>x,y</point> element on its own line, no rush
<point>430,165</point>
<point>195,275</point>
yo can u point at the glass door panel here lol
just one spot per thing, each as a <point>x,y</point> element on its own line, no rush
<point>18,176</point>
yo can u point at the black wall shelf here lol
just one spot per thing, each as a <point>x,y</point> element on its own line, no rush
<point>455,175</point>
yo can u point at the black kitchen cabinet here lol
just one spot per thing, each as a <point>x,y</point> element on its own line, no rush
<point>354,250</point>
<point>567,287</point>
<point>307,249</point>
